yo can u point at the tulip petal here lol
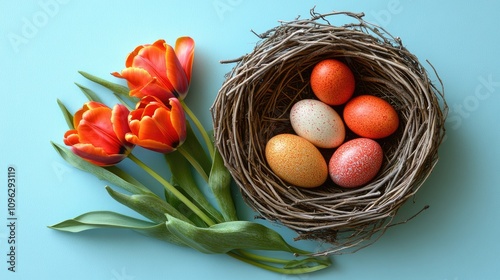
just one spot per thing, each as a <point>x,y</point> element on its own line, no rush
<point>149,130</point>
<point>119,120</point>
<point>150,108</point>
<point>148,100</point>
<point>160,70</point>
<point>94,104</point>
<point>86,107</point>
<point>118,75</point>
<point>135,126</point>
<point>184,49</point>
<point>71,137</point>
<point>95,137</point>
<point>152,127</point>
<point>151,59</point>
<point>178,119</point>
<point>175,73</point>
<point>136,77</point>
<point>149,144</point>
<point>134,53</point>
<point>143,84</point>
<point>156,128</point>
<point>160,44</point>
<point>96,128</point>
<point>96,155</point>
<point>162,118</point>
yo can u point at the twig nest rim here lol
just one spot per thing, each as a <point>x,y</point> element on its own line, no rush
<point>254,102</point>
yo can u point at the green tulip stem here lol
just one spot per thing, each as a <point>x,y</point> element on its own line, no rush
<point>261,258</point>
<point>173,190</point>
<point>200,127</point>
<point>193,162</point>
<point>246,257</point>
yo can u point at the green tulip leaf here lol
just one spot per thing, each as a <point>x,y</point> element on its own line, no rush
<point>123,101</point>
<point>91,95</point>
<point>108,219</point>
<point>228,236</point>
<point>193,148</point>
<point>179,205</point>
<point>66,113</point>
<point>100,219</point>
<point>102,173</point>
<point>294,266</point>
<point>307,262</point>
<point>220,184</point>
<point>125,176</point>
<point>148,205</point>
<point>116,88</point>
<point>183,177</point>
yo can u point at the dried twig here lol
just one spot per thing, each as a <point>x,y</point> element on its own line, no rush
<point>254,102</point>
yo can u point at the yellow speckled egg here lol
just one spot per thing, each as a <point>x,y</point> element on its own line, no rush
<point>296,161</point>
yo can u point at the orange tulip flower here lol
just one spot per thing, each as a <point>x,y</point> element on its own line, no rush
<point>99,134</point>
<point>157,126</point>
<point>160,70</point>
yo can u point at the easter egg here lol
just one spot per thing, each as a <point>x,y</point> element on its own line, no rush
<point>370,116</point>
<point>318,123</point>
<point>296,161</point>
<point>355,162</point>
<point>332,82</point>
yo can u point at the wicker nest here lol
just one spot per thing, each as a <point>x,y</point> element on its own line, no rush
<point>254,103</point>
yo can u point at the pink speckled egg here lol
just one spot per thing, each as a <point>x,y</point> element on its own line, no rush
<point>296,161</point>
<point>371,116</point>
<point>355,162</point>
<point>317,122</point>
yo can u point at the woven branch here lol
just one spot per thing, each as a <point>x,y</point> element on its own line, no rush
<point>254,103</point>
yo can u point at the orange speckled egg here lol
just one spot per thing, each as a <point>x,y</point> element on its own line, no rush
<point>370,116</point>
<point>296,161</point>
<point>355,162</point>
<point>332,82</point>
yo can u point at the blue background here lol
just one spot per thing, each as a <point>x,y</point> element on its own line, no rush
<point>44,43</point>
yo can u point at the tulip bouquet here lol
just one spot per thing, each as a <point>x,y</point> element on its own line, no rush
<point>151,113</point>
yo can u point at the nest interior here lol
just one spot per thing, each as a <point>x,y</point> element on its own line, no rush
<point>254,103</point>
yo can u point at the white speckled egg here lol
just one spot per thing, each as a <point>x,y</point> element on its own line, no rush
<point>356,162</point>
<point>317,122</point>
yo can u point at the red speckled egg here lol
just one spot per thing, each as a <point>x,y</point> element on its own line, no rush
<point>370,116</point>
<point>355,162</point>
<point>332,82</point>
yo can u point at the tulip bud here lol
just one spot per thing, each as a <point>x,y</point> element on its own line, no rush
<point>156,126</point>
<point>99,134</point>
<point>160,70</point>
